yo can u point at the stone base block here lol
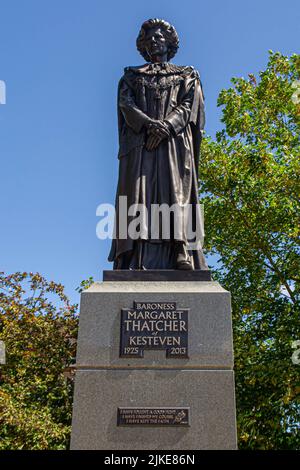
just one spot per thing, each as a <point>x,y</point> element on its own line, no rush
<point>209,324</point>
<point>209,395</point>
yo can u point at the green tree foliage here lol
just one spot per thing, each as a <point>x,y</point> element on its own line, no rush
<point>39,327</point>
<point>250,182</point>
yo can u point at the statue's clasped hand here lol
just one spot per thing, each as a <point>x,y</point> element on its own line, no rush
<point>156,132</point>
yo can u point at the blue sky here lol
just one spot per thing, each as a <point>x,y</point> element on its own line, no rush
<point>61,61</point>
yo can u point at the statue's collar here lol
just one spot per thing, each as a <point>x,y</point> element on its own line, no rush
<point>157,68</point>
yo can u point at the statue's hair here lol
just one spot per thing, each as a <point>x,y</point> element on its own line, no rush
<point>169,33</point>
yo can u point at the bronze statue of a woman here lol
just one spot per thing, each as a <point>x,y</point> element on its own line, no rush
<point>161,116</point>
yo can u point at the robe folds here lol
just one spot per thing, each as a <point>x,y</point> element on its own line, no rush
<point>166,175</point>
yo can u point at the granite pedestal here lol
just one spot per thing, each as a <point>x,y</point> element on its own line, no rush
<point>200,383</point>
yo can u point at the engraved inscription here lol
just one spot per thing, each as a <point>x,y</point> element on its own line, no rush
<point>153,416</point>
<point>154,325</point>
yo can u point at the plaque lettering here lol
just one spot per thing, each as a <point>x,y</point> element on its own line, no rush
<point>154,325</point>
<point>153,416</point>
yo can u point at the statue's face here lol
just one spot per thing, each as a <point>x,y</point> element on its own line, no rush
<point>155,42</point>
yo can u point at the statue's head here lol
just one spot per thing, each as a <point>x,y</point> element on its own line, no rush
<point>157,38</point>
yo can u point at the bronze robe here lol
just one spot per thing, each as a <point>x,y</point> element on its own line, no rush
<point>166,175</point>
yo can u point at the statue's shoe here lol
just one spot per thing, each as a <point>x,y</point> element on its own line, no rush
<point>184,265</point>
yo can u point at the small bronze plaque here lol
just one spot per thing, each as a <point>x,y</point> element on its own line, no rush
<point>154,325</point>
<point>153,416</point>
